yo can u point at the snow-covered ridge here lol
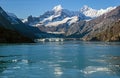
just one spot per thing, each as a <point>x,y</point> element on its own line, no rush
<point>90,12</point>
<point>67,20</point>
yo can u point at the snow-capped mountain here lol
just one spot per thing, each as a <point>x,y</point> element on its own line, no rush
<point>90,12</point>
<point>58,16</point>
<point>55,17</point>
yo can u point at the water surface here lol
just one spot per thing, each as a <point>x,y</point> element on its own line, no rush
<point>72,59</point>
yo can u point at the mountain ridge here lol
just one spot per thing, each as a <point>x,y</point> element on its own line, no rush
<point>58,13</point>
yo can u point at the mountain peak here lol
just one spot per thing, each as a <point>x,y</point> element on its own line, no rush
<point>57,8</point>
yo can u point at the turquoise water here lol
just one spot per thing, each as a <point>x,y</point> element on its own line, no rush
<point>72,59</point>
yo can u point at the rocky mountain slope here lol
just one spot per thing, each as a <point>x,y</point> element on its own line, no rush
<point>110,34</point>
<point>102,23</point>
<point>96,29</point>
<point>12,28</point>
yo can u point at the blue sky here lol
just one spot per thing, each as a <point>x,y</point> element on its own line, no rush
<point>24,8</point>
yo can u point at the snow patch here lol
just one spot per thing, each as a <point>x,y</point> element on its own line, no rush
<point>73,20</point>
<point>67,20</point>
<point>25,20</point>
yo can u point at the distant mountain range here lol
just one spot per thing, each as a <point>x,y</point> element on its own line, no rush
<point>59,20</point>
<point>58,16</point>
<point>87,24</point>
